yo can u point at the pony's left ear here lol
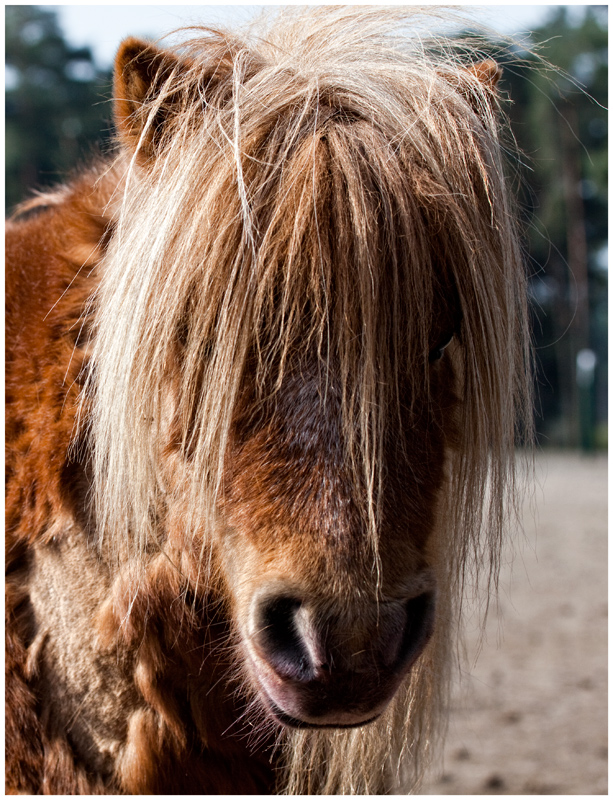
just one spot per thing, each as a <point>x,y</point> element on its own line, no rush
<point>142,72</point>
<point>471,80</point>
<point>488,72</point>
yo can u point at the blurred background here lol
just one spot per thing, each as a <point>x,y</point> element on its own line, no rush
<point>530,716</point>
<point>58,112</point>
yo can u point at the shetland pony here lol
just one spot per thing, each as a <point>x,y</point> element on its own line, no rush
<point>265,371</point>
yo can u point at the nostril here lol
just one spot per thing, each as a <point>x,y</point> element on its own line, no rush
<point>280,640</point>
<point>418,628</point>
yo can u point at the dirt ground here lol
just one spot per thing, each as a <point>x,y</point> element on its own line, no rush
<point>530,716</point>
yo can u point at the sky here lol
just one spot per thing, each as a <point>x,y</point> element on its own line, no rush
<point>102,27</point>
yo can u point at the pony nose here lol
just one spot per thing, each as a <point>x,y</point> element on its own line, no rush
<point>305,647</point>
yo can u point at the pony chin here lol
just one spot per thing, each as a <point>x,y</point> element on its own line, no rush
<point>286,703</point>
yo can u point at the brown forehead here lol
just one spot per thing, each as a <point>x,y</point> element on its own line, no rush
<point>287,464</point>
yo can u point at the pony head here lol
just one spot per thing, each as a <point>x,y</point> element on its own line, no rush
<point>310,353</point>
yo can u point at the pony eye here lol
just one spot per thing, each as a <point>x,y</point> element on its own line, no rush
<point>437,352</point>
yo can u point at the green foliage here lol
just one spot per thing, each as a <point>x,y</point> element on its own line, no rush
<point>543,105</point>
<point>559,119</point>
<point>57,102</point>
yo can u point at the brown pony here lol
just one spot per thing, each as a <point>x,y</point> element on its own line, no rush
<point>265,372</point>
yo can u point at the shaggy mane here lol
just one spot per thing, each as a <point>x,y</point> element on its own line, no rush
<point>322,183</point>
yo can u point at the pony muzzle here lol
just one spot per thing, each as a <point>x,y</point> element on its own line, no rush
<point>327,669</point>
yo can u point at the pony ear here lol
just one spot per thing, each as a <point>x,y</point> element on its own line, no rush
<point>466,82</point>
<point>141,69</point>
<point>488,72</point>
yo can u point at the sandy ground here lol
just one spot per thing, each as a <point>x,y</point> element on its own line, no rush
<point>530,716</point>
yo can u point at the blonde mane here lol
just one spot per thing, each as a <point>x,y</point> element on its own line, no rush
<point>319,182</point>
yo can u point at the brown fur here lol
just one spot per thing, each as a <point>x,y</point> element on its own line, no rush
<point>225,392</point>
